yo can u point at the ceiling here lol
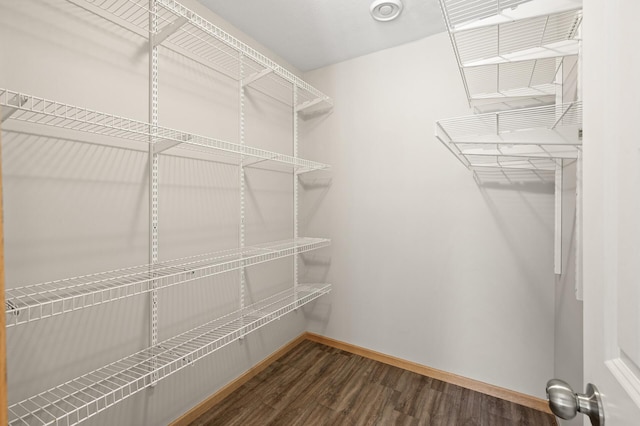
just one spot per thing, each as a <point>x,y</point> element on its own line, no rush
<point>311,34</point>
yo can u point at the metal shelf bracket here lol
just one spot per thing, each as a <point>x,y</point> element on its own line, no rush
<point>308,104</point>
<point>256,76</point>
<point>157,39</point>
<point>165,144</point>
<point>12,106</point>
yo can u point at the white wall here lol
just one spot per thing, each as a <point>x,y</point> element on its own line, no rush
<point>76,208</point>
<point>426,264</point>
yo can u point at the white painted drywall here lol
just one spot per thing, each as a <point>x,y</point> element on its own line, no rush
<point>426,264</point>
<point>76,208</point>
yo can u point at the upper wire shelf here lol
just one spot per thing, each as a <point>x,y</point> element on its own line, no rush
<point>514,84</point>
<point>523,139</point>
<point>463,15</point>
<point>32,109</point>
<point>37,301</point>
<point>81,398</point>
<point>534,38</point>
<point>509,52</point>
<point>189,34</point>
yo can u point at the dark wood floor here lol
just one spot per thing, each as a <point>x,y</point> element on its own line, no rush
<point>318,385</point>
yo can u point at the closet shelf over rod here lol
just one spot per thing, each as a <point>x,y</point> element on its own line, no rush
<point>35,110</point>
<point>34,302</point>
<point>528,138</point>
<point>83,397</point>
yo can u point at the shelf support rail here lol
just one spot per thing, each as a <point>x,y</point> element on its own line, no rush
<point>294,102</point>
<point>557,260</point>
<point>153,183</point>
<point>242,187</point>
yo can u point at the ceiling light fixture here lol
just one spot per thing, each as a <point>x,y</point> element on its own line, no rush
<point>385,10</point>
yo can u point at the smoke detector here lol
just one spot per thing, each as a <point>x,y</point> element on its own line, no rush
<point>385,10</point>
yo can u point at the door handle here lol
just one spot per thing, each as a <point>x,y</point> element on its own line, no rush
<point>565,403</point>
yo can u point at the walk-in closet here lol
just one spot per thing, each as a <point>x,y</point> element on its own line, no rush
<point>319,213</point>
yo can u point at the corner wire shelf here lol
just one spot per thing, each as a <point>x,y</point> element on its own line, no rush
<point>507,50</point>
<point>26,108</point>
<point>38,301</point>
<point>87,395</point>
<point>192,36</point>
<point>522,139</point>
<point>464,15</point>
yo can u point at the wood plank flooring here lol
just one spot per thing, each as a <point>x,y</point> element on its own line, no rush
<point>315,384</point>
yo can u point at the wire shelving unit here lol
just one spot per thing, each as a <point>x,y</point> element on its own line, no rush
<point>165,24</point>
<point>512,56</point>
<point>507,51</point>
<point>83,397</point>
<point>38,301</point>
<point>36,110</point>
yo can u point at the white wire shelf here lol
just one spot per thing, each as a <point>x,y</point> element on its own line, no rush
<point>534,38</point>
<point>38,301</point>
<point>523,139</point>
<point>511,59</point>
<point>513,82</point>
<point>510,163</point>
<point>463,15</point>
<point>81,398</point>
<point>497,178</point>
<point>189,34</point>
<point>503,102</point>
<point>26,108</point>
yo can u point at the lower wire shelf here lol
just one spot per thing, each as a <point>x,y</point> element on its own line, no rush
<point>81,398</point>
<point>37,301</point>
<point>522,139</point>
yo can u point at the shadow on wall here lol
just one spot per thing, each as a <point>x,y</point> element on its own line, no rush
<point>523,184</point>
<point>534,181</point>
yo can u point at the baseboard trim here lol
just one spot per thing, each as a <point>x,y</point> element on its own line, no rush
<point>211,401</point>
<point>475,385</point>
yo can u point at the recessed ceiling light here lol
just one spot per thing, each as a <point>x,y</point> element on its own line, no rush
<point>385,10</point>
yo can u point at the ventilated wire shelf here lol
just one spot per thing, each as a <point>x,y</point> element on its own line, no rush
<point>516,84</point>
<point>513,63</point>
<point>462,15</point>
<point>476,163</point>
<point>535,38</point>
<point>38,301</point>
<point>488,177</point>
<point>189,34</point>
<point>32,109</point>
<point>81,398</point>
<point>528,138</point>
